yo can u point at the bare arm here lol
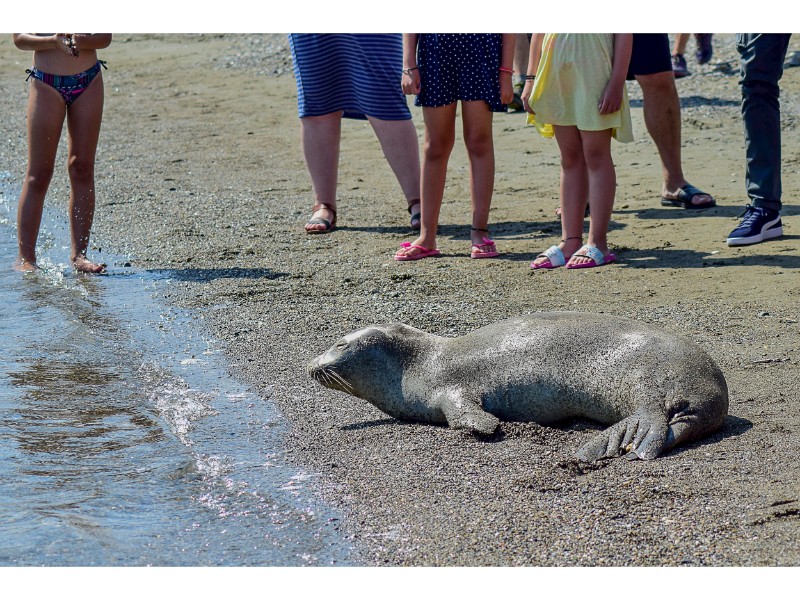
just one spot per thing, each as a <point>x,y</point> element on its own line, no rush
<point>534,56</point>
<point>92,41</point>
<point>411,80</point>
<point>611,100</point>
<point>506,70</point>
<point>34,42</point>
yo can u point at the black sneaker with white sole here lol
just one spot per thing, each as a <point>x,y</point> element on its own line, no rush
<point>758,224</point>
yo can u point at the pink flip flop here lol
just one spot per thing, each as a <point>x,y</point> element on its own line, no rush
<point>485,250</point>
<point>423,252</point>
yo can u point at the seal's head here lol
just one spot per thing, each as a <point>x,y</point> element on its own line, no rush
<point>368,363</point>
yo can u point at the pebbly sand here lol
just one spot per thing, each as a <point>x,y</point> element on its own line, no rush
<point>200,171</point>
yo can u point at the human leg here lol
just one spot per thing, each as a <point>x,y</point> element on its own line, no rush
<point>477,126</point>
<point>84,116</point>
<point>320,137</point>
<point>662,117</point>
<point>399,143</point>
<point>678,50</point>
<point>438,144</point>
<point>762,57</point>
<point>46,112</point>
<point>602,184</point>
<point>521,51</point>
<point>705,48</point>
<point>573,193</point>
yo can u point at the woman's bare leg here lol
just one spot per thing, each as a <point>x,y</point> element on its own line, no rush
<point>401,148</point>
<point>320,138</point>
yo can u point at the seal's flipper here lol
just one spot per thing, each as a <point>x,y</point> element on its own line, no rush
<point>462,413</point>
<point>642,435</point>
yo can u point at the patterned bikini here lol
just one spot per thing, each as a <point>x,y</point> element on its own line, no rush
<point>69,86</point>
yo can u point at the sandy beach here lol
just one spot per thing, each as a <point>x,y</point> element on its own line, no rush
<point>200,172</point>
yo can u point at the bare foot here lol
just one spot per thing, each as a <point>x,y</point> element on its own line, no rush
<point>83,265</point>
<point>24,266</point>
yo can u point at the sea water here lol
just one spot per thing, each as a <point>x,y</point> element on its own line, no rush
<point>122,439</point>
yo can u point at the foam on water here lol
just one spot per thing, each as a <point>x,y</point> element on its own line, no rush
<point>122,439</point>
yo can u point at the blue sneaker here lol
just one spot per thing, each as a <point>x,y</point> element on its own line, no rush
<point>758,224</point>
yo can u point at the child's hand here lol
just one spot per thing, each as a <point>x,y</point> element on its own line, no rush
<point>526,95</point>
<point>66,43</point>
<point>506,88</point>
<point>411,82</point>
<point>611,100</point>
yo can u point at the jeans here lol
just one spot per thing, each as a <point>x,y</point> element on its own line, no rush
<point>762,56</point>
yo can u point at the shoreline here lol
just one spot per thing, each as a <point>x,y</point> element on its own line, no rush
<point>204,176</point>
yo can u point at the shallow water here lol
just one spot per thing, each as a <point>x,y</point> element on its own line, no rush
<point>123,441</point>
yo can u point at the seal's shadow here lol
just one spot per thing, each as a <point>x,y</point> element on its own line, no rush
<point>731,427</point>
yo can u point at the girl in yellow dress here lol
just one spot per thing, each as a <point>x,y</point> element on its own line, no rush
<point>578,95</point>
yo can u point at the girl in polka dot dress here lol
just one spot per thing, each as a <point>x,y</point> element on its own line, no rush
<point>442,69</point>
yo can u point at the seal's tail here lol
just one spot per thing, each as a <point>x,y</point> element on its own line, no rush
<point>642,435</point>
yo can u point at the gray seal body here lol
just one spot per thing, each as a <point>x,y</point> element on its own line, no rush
<point>654,388</point>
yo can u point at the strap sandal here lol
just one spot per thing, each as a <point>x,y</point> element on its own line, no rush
<point>594,254</point>
<point>329,225</point>
<point>416,222</point>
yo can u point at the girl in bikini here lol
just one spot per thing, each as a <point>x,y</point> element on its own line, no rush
<point>65,83</point>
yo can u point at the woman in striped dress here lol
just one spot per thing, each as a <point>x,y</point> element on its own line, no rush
<point>352,76</point>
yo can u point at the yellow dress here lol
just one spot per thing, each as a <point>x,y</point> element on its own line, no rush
<point>573,72</point>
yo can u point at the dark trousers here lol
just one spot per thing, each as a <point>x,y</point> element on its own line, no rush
<point>762,56</point>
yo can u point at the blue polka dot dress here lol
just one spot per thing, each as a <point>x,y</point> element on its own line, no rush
<point>459,66</point>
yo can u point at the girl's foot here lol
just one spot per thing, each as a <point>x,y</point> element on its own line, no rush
<point>83,265</point>
<point>590,256</point>
<point>482,246</point>
<point>409,251</point>
<point>567,246</point>
<point>24,266</point>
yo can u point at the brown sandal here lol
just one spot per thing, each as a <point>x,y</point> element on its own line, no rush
<point>329,225</point>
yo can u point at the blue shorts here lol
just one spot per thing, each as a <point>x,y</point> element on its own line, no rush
<point>650,55</point>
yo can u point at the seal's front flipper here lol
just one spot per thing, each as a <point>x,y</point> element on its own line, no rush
<point>462,413</point>
<point>642,435</point>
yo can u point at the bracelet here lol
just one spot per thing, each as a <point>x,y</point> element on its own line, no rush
<point>409,69</point>
<point>504,70</point>
<point>530,77</point>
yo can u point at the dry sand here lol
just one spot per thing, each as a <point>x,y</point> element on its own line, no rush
<point>200,173</point>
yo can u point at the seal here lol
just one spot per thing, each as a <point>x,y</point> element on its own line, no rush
<point>654,388</point>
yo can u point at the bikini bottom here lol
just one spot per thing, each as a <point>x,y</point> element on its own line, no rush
<point>69,86</point>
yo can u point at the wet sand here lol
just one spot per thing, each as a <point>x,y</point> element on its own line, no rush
<point>199,171</point>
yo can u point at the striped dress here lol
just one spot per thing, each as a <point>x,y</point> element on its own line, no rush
<point>356,73</point>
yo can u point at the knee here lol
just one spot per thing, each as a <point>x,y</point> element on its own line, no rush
<point>81,169</point>
<point>479,145</point>
<point>38,180</point>
<point>597,158</point>
<point>438,147</point>
<point>572,159</point>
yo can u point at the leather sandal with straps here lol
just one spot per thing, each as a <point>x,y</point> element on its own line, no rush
<point>329,225</point>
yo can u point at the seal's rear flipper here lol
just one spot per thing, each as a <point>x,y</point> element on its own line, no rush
<point>461,413</point>
<point>642,435</point>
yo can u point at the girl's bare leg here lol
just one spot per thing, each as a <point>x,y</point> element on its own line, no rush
<point>45,120</point>
<point>573,192</point>
<point>440,135</point>
<point>320,137</point>
<point>400,147</point>
<point>477,121</point>
<point>83,124</point>
<point>602,188</point>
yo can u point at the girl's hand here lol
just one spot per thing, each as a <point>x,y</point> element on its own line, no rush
<point>526,94</point>
<point>66,43</point>
<point>611,100</point>
<point>411,82</point>
<point>506,88</point>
